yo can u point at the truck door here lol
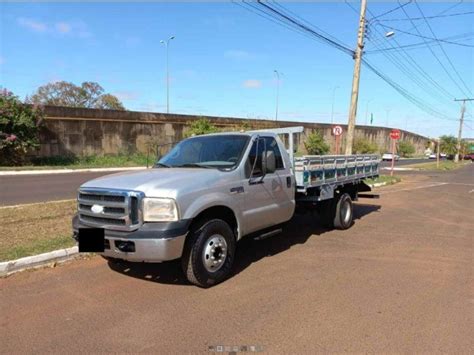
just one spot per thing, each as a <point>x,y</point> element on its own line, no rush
<point>267,201</point>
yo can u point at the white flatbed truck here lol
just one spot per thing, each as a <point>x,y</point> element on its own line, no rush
<point>210,191</point>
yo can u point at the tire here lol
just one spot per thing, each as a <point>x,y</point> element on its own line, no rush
<point>344,212</point>
<point>210,239</point>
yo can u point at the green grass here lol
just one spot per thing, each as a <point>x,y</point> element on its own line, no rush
<point>389,180</point>
<point>38,247</point>
<point>443,165</point>
<point>93,161</point>
<point>35,229</point>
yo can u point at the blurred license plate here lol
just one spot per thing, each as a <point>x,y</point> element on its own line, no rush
<point>91,240</point>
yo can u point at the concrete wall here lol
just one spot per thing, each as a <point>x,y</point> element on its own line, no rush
<point>79,131</point>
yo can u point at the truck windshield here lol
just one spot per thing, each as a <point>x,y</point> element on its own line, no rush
<point>219,151</point>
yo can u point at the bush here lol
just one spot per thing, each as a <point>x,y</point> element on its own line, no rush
<point>19,125</point>
<point>364,146</point>
<point>406,149</point>
<point>201,126</point>
<point>315,144</point>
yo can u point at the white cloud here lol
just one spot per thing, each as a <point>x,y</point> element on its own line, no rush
<point>126,95</point>
<point>33,25</point>
<point>238,54</point>
<point>63,27</point>
<point>252,84</point>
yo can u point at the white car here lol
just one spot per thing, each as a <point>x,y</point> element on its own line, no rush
<point>388,156</point>
<point>432,156</point>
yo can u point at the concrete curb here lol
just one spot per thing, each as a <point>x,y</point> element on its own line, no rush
<point>35,261</point>
<point>400,169</point>
<point>379,184</point>
<point>67,171</point>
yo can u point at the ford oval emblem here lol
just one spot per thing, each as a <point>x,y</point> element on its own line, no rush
<point>97,208</point>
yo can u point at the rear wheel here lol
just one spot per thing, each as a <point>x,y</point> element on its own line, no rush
<point>209,253</point>
<point>344,212</point>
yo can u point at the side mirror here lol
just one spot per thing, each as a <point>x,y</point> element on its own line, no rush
<point>269,162</point>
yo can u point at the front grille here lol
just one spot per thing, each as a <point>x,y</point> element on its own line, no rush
<point>101,220</point>
<point>110,209</point>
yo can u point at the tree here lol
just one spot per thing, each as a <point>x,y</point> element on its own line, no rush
<point>19,126</point>
<point>63,93</point>
<point>364,146</point>
<point>201,126</point>
<point>448,144</point>
<point>315,144</point>
<point>406,149</point>
<point>465,148</point>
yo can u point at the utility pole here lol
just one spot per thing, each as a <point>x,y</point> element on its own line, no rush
<point>332,106</point>
<point>167,43</point>
<point>461,122</point>
<point>367,111</point>
<point>278,93</point>
<point>356,78</point>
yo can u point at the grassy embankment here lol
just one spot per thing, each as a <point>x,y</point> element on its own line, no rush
<point>93,161</point>
<point>35,229</point>
<point>443,165</point>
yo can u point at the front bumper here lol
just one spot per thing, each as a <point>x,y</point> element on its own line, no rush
<point>153,242</point>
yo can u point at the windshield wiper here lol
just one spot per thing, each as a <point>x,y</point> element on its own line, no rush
<point>161,165</point>
<point>193,165</point>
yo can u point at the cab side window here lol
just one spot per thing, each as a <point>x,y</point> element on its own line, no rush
<point>272,144</point>
<point>255,153</point>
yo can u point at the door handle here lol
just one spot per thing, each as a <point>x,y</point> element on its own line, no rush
<point>288,181</point>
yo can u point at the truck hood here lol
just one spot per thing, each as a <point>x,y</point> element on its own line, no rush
<point>158,182</point>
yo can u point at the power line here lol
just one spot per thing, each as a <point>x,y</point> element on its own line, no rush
<point>326,39</point>
<point>405,93</point>
<point>288,20</point>
<point>412,63</point>
<point>430,38</point>
<point>395,9</point>
<point>425,44</point>
<point>429,17</point>
<point>434,54</point>
<point>444,52</point>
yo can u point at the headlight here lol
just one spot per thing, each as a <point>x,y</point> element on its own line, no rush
<point>159,210</point>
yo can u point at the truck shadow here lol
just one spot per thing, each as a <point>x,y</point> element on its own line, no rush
<point>249,250</point>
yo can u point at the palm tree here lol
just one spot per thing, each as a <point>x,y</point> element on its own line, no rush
<point>448,144</point>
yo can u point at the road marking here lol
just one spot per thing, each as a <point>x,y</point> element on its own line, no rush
<point>415,188</point>
<point>36,203</point>
<point>459,183</point>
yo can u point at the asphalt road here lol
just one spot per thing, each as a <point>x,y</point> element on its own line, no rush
<point>400,280</point>
<point>21,189</point>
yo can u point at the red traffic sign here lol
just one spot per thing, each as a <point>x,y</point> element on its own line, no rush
<point>395,134</point>
<point>337,130</point>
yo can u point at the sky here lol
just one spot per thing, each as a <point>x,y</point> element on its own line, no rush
<point>223,58</point>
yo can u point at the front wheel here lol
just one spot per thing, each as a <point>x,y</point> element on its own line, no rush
<point>344,212</point>
<point>209,253</point>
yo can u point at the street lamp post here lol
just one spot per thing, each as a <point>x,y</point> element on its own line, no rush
<point>166,43</point>
<point>367,110</point>
<point>332,106</point>
<point>387,110</point>
<point>278,93</point>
